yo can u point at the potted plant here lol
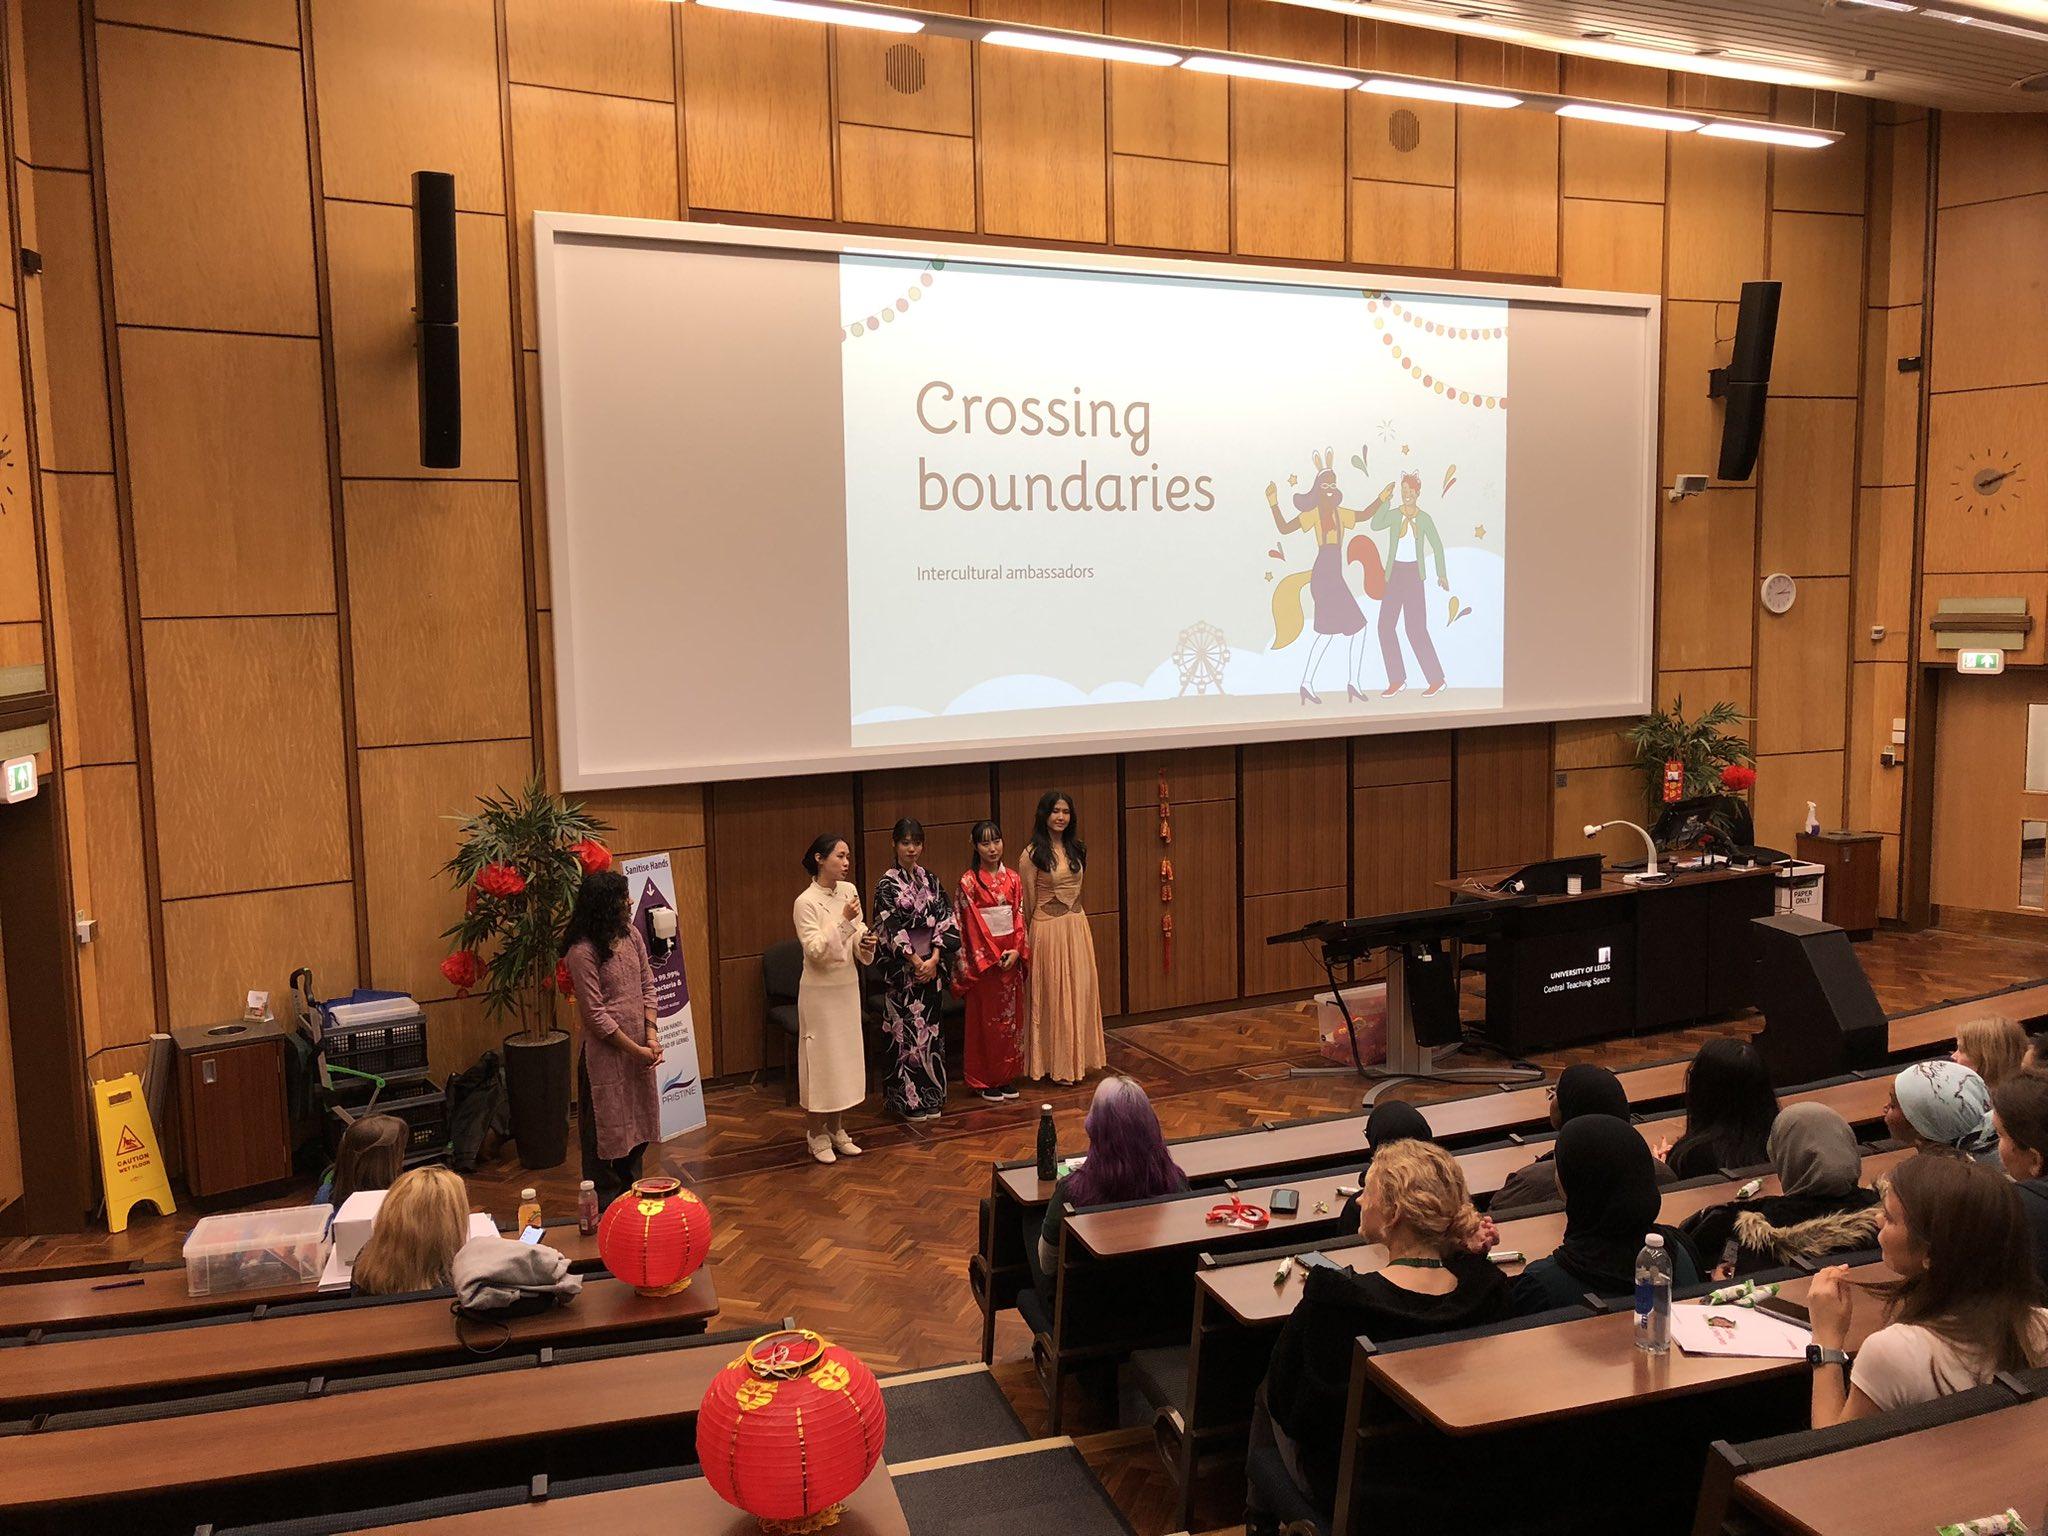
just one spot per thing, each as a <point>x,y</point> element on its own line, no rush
<point>521,859</point>
<point>1686,759</point>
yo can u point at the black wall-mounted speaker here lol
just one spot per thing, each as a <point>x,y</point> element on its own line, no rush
<point>437,341</point>
<point>1745,384</point>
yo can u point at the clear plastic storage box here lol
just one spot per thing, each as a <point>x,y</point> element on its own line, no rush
<point>251,1250</point>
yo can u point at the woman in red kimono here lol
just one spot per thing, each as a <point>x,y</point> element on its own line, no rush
<point>994,950</point>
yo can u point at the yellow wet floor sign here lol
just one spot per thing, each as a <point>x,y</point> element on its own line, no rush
<point>131,1168</point>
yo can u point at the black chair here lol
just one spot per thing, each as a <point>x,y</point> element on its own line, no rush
<point>782,972</point>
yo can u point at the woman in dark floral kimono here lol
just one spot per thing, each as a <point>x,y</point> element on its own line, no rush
<point>994,952</point>
<point>918,942</point>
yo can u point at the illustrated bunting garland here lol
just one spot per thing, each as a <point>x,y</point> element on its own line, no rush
<point>1406,361</point>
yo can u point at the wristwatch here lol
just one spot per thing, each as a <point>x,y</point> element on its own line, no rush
<point>1818,1355</point>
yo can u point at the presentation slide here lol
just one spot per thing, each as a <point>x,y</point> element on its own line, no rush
<point>817,503</point>
<point>1207,503</point>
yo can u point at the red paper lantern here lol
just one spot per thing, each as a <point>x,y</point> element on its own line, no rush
<point>655,1236</point>
<point>790,1429</point>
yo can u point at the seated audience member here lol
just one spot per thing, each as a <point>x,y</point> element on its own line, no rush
<point>1127,1160</point>
<point>1965,1308</point>
<point>1609,1183</point>
<point>1729,1107</point>
<point>424,1219</point>
<point>1993,1047</point>
<point>1942,1104</point>
<point>1415,1202</point>
<point>371,1155</point>
<point>1582,1089</point>
<point>2019,1113</point>
<point>1823,1209</point>
<point>2037,1051</point>
<point>1395,1120</point>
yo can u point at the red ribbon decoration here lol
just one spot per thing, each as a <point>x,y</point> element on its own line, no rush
<point>1235,1212</point>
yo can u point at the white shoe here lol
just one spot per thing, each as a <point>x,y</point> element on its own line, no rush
<point>821,1150</point>
<point>844,1143</point>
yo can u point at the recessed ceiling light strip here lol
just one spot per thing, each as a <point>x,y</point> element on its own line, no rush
<point>1081,47</point>
<point>1432,90</point>
<point>1242,68</point>
<point>1630,117</point>
<point>837,15</point>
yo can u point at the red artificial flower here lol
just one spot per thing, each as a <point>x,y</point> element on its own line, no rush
<point>1737,777</point>
<point>592,855</point>
<point>560,980</point>
<point>500,880</point>
<point>462,970</point>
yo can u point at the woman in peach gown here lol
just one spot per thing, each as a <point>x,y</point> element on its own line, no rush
<point>1064,996</point>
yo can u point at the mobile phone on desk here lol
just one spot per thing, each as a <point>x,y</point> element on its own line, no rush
<point>531,1235</point>
<point>1315,1258</point>
<point>1286,1202</point>
<point>1790,1311</point>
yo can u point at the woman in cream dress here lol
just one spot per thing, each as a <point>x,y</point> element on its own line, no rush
<point>1064,998</point>
<point>831,1074</point>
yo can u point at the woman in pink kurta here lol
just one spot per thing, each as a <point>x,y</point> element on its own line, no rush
<point>615,1075</point>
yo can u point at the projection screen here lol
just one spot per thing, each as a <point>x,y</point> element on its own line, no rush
<point>822,502</point>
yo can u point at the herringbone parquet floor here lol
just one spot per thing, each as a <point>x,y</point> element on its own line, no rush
<point>873,1251</point>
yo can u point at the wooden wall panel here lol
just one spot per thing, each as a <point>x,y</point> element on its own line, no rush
<point>21,599</point>
<point>612,47</point>
<point>1092,784</point>
<point>1693,691</point>
<point>2032,586</point>
<point>104,808</point>
<point>1785,784</point>
<point>1992,332</point>
<point>246,714</point>
<point>1987,430</point>
<point>1694,342</point>
<point>1602,159</point>
<point>740,1029</point>
<point>1802,667</point>
<point>208,203</point>
<point>1192,773</point>
<point>536,482</point>
<point>1507,189</point>
<point>405,86</point>
<point>1807,491</point>
<point>1295,800</point>
<point>760,830</point>
<point>1706,559</point>
<point>259,21</point>
<point>1876,793</point>
<point>1170,204</point>
<point>369,264</point>
<point>409,796</point>
<point>1400,757</point>
<point>1397,140</point>
<point>1819,259</point>
<point>577,153</point>
<point>1884,574</point>
<point>1397,224</point>
<point>1169,114</point>
<point>1286,967</point>
<point>941,102</point>
<point>1617,246</point>
<point>956,792</point>
<point>1587,796</point>
<point>1590,744</point>
<point>667,816</point>
<point>1990,155</point>
<point>1826,180</point>
<point>916,180</point>
<point>68,349</point>
<point>1204,909</point>
<point>1717,216</point>
<point>10,1119</point>
<point>53,71</point>
<point>1287,141</point>
<point>693,928</point>
<point>1503,804</point>
<point>227,459</point>
<point>435,622</point>
<point>80,528</point>
<point>1891,399</point>
<point>1041,130</point>
<point>756,114</point>
<point>216,948</point>
<point>1401,846</point>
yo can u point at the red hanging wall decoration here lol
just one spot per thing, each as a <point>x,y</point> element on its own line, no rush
<point>1674,781</point>
<point>655,1236</point>
<point>790,1429</point>
<point>1165,876</point>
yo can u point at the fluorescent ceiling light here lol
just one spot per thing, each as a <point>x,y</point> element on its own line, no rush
<point>1080,47</point>
<point>1984,23</point>
<point>805,10</point>
<point>1258,69</point>
<point>1628,117</point>
<point>1424,90</point>
<point>1764,133</point>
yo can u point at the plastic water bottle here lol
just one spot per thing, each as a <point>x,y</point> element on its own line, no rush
<point>1048,1146</point>
<point>1653,1296</point>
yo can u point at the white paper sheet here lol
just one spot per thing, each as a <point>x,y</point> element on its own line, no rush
<point>1737,1331</point>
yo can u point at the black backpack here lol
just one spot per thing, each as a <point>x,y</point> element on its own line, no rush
<point>478,1109</point>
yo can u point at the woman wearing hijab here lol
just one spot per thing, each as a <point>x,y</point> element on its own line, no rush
<point>1609,1182</point>
<point>1942,1104</point>
<point>1582,1089</point>
<point>1823,1208</point>
<point>1393,1121</point>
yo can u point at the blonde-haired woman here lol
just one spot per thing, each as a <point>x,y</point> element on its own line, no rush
<point>424,1219</point>
<point>1994,1047</point>
<point>1416,1205</point>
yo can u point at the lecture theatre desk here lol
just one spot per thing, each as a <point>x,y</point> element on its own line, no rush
<point>1908,1485</point>
<point>680,1507</point>
<point>1619,959</point>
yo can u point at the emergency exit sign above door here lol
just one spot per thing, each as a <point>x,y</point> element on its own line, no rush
<point>19,776</point>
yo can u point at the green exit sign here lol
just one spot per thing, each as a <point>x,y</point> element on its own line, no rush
<point>1985,662</point>
<point>19,775</point>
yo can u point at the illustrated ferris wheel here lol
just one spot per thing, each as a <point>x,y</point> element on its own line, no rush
<point>1200,657</point>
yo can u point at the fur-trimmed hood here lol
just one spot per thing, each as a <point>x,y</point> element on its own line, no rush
<point>1814,1238</point>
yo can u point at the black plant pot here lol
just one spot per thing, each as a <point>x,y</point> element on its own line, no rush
<point>537,1083</point>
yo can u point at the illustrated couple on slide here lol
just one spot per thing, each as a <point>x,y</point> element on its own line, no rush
<point>1397,585</point>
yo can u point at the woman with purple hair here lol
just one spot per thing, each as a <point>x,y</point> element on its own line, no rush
<point>1127,1159</point>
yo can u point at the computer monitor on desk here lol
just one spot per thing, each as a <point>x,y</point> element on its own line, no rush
<point>1551,877</point>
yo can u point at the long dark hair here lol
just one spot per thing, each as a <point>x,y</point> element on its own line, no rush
<point>980,830</point>
<point>1127,1154</point>
<point>1040,847</point>
<point>600,913</point>
<point>1729,1103</point>
<point>371,1156</point>
<point>1978,1288</point>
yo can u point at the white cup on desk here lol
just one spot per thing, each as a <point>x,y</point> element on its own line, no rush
<point>1574,885</point>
